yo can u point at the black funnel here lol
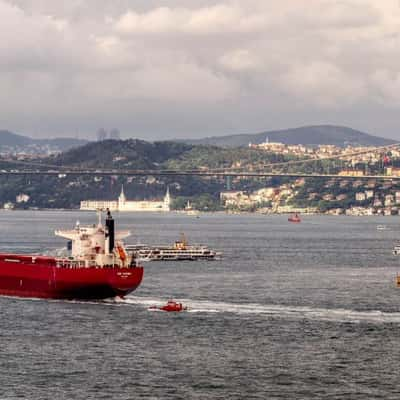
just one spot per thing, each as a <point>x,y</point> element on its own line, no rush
<point>110,231</point>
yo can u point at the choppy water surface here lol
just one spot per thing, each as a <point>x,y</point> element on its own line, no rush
<point>307,311</point>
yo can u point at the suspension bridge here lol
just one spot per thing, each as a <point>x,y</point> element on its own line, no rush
<point>34,168</point>
<point>62,173</point>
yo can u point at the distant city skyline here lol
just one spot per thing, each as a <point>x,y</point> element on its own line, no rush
<point>192,69</point>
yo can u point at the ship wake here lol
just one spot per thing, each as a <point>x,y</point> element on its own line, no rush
<point>274,310</point>
<point>248,309</point>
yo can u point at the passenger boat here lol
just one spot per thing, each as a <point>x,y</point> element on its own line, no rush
<point>179,251</point>
<point>294,218</point>
<point>171,306</point>
<point>99,267</point>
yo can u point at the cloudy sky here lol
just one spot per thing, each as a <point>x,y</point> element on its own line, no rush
<point>193,68</point>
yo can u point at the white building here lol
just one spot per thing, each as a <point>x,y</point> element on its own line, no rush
<point>8,206</point>
<point>369,194</point>
<point>122,204</point>
<point>22,198</point>
<point>360,196</point>
<point>389,200</point>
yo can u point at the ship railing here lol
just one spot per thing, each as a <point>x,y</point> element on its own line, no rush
<point>74,264</point>
<point>63,263</point>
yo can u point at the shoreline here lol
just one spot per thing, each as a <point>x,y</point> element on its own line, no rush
<point>198,214</point>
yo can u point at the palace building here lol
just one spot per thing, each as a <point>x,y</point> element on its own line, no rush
<point>122,204</point>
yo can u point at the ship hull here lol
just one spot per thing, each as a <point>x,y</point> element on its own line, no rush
<point>30,276</point>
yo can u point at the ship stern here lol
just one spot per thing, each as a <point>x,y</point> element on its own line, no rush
<point>124,281</point>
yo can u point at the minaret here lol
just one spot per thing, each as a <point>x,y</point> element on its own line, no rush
<point>167,201</point>
<point>121,199</point>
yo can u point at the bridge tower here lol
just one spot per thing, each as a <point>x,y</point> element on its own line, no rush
<point>228,183</point>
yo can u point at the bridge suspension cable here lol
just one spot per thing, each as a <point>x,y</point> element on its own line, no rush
<point>55,169</point>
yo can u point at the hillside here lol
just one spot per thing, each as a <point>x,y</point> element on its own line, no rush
<point>12,142</point>
<point>68,191</point>
<point>139,154</point>
<point>8,138</point>
<point>307,135</point>
<point>132,153</point>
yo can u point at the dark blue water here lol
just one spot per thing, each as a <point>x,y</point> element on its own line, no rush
<point>307,311</point>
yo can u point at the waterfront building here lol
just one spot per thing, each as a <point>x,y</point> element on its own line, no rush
<point>22,198</point>
<point>369,194</point>
<point>122,204</point>
<point>232,197</point>
<point>389,200</point>
<point>377,202</point>
<point>351,172</point>
<point>360,196</point>
<point>392,171</point>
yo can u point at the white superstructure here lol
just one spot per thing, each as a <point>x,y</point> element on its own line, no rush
<point>97,245</point>
<point>122,204</point>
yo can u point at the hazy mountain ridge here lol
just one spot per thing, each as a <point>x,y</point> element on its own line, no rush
<point>10,141</point>
<point>307,135</point>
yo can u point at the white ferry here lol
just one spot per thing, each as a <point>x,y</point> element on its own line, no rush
<point>179,251</point>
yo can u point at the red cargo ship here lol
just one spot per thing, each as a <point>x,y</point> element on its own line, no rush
<point>98,267</point>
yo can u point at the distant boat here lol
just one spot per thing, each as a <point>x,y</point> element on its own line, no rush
<point>396,250</point>
<point>171,306</point>
<point>382,228</point>
<point>294,218</point>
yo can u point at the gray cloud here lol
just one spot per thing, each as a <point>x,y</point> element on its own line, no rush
<point>195,68</point>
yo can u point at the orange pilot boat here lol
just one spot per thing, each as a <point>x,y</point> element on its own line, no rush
<point>97,268</point>
<point>171,306</point>
<point>294,218</point>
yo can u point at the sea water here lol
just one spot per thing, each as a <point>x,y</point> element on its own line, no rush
<point>292,311</point>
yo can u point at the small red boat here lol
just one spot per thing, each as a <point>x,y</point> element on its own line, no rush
<point>294,218</point>
<point>171,306</point>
